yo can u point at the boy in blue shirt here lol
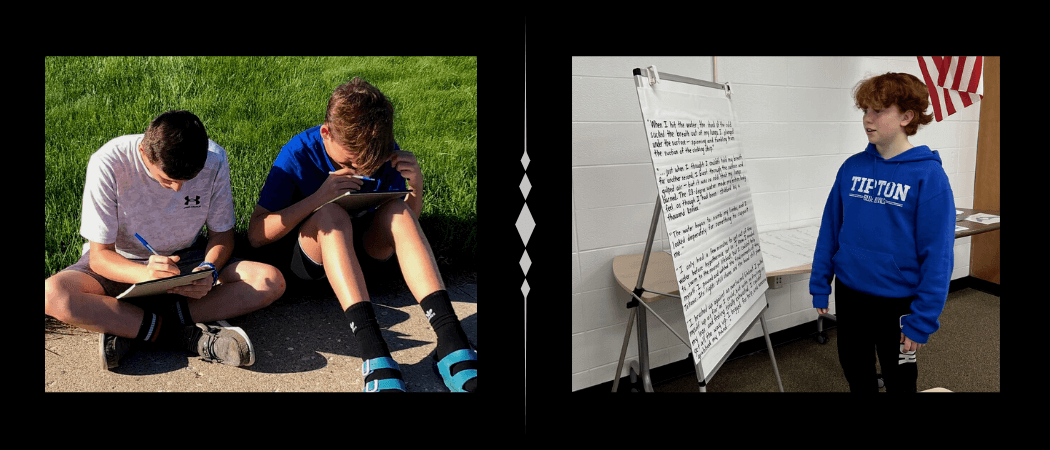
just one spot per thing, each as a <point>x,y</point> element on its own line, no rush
<point>887,238</point>
<point>355,140</point>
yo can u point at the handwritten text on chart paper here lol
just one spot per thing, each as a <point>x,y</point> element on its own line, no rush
<point>674,137</point>
<point>710,222</point>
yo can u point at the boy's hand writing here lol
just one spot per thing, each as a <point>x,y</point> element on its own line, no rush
<point>338,183</point>
<point>162,266</point>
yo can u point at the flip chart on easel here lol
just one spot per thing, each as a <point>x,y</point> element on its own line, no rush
<point>708,213</point>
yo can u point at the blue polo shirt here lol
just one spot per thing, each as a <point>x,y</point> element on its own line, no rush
<point>302,166</point>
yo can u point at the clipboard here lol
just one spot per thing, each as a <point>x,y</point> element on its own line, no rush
<point>161,286</point>
<point>357,201</point>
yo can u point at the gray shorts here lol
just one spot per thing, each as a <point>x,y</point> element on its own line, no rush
<point>189,258</point>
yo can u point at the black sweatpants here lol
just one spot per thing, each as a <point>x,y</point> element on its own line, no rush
<point>866,323</point>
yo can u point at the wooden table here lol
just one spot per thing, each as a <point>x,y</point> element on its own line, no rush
<point>974,227</point>
<point>659,276</point>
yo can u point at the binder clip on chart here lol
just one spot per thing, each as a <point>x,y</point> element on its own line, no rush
<point>654,76</point>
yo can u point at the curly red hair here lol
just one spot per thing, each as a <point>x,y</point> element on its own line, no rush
<point>901,89</point>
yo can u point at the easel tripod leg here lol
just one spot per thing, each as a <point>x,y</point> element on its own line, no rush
<point>769,347</point>
<point>643,351</point>
<point>623,351</point>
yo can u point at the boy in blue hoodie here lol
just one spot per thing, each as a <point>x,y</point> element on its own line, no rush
<point>887,238</point>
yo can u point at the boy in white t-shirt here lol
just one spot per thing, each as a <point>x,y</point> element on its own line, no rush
<point>164,185</point>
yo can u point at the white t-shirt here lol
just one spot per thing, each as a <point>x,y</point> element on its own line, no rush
<point>121,199</point>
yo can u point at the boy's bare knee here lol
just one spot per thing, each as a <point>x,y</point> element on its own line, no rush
<point>267,280</point>
<point>56,300</point>
<point>330,217</point>
<point>395,207</point>
<point>273,281</point>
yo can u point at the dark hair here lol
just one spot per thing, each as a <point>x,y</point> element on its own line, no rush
<point>901,89</point>
<point>362,120</point>
<point>177,143</point>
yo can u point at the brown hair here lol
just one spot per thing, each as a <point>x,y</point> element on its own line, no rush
<point>901,89</point>
<point>177,143</point>
<point>362,120</point>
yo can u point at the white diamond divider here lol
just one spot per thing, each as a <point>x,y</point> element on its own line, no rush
<point>525,224</point>
<point>525,263</point>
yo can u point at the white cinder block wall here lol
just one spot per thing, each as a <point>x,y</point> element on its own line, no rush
<point>797,124</point>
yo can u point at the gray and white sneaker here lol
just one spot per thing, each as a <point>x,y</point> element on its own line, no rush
<point>221,343</point>
<point>112,348</point>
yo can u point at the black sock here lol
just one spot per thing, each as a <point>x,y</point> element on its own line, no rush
<point>176,309</point>
<point>182,311</point>
<point>150,327</point>
<point>174,312</point>
<point>451,337</point>
<point>366,330</point>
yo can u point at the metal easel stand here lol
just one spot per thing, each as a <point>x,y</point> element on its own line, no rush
<point>769,345</point>
<point>643,337</point>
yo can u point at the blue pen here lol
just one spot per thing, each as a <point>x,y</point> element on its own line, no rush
<point>148,247</point>
<point>214,274</point>
<point>362,177</point>
<point>359,177</point>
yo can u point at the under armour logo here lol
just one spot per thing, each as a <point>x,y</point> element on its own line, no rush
<point>196,200</point>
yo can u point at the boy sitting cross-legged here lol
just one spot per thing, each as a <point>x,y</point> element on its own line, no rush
<point>164,185</point>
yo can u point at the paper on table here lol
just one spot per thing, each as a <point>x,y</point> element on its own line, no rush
<point>983,218</point>
<point>782,249</point>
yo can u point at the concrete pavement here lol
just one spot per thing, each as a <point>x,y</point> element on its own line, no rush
<point>302,344</point>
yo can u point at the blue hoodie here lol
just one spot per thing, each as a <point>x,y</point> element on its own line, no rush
<point>888,230</point>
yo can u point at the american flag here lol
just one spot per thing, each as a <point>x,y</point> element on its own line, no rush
<point>954,82</point>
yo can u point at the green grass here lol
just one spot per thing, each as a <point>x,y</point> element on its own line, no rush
<point>251,106</point>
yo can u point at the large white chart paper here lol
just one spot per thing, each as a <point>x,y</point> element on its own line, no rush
<point>708,212</point>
